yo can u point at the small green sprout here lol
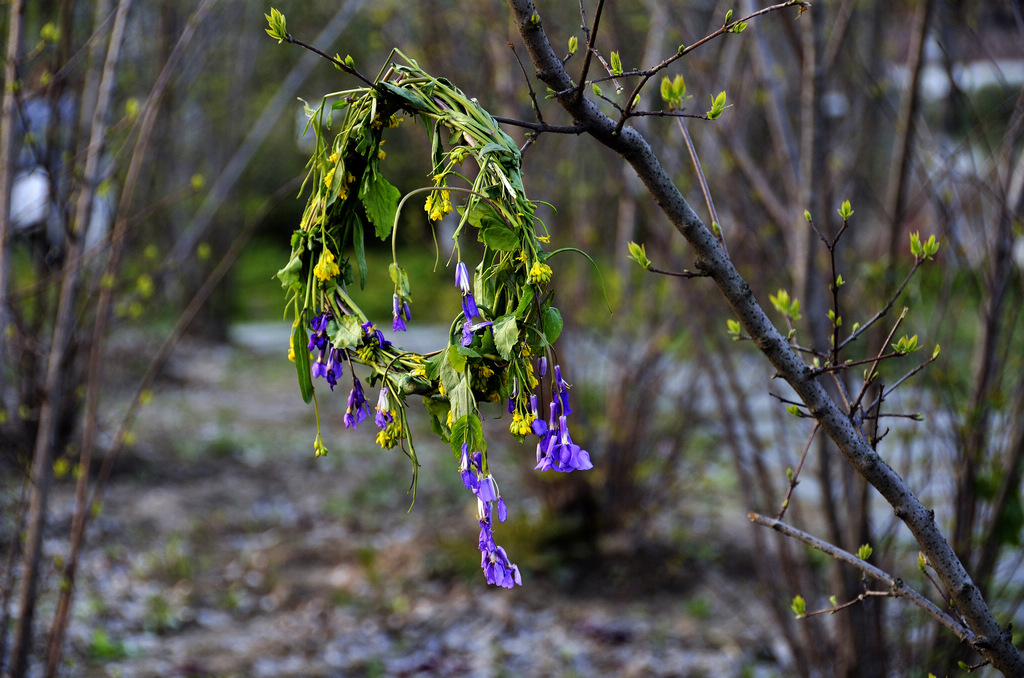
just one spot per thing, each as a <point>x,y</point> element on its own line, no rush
<point>865,551</point>
<point>276,22</point>
<point>925,250</point>
<point>794,410</point>
<point>728,17</point>
<point>717,106</point>
<point>906,345</point>
<point>733,327</point>
<point>638,253</point>
<point>833,601</point>
<point>799,607</point>
<point>738,27</point>
<point>673,91</point>
<point>49,33</point>
<point>807,216</point>
<point>845,211</point>
<point>784,305</point>
<point>574,44</point>
<point>616,64</point>
<point>597,90</point>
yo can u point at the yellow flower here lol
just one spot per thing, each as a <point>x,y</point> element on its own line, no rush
<point>333,158</point>
<point>389,436</point>
<point>329,178</point>
<point>520,425</point>
<point>438,205</point>
<point>539,273</point>
<point>326,269</point>
<point>395,121</point>
<point>544,238</point>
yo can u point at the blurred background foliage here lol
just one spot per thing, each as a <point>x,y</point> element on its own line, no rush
<point>913,111</point>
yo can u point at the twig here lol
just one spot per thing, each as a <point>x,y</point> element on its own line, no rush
<point>897,588</point>
<point>337,62</point>
<point>794,480</point>
<point>680,274</point>
<point>888,306</point>
<point>529,85</point>
<point>871,371</point>
<point>591,35</point>
<point>850,603</point>
<point>716,225</point>
<point>649,73</point>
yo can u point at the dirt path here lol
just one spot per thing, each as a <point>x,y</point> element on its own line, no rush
<point>225,549</point>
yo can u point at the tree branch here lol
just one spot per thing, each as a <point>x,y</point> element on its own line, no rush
<point>896,586</point>
<point>989,639</point>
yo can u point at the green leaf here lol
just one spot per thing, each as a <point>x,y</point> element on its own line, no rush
<point>299,342</point>
<point>506,334</point>
<point>573,44</point>
<point>359,249</point>
<point>291,274</point>
<point>380,199</point>
<point>551,321</point>
<point>456,359</point>
<point>347,333</point>
<point>410,98</point>
<point>461,398</point>
<point>499,238</point>
<point>468,429</point>
<point>596,89</point>
<point>865,551</point>
<point>400,278</point>
<point>616,64</point>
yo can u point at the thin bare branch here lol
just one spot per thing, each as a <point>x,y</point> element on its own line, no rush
<point>897,587</point>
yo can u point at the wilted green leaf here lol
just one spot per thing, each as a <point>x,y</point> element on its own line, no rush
<point>506,334</point>
<point>299,341</point>
<point>380,199</point>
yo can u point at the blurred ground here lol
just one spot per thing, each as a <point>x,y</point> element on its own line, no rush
<point>224,548</point>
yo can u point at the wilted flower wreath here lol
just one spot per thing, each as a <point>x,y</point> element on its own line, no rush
<point>499,344</point>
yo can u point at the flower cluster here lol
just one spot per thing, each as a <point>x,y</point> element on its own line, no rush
<point>357,409</point>
<point>498,569</point>
<point>473,320</point>
<point>328,363</point>
<point>401,313</point>
<point>390,426</point>
<point>438,205</point>
<point>326,268</point>
<point>555,450</point>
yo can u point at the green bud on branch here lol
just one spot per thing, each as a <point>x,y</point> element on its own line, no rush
<point>799,607</point>
<point>276,21</point>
